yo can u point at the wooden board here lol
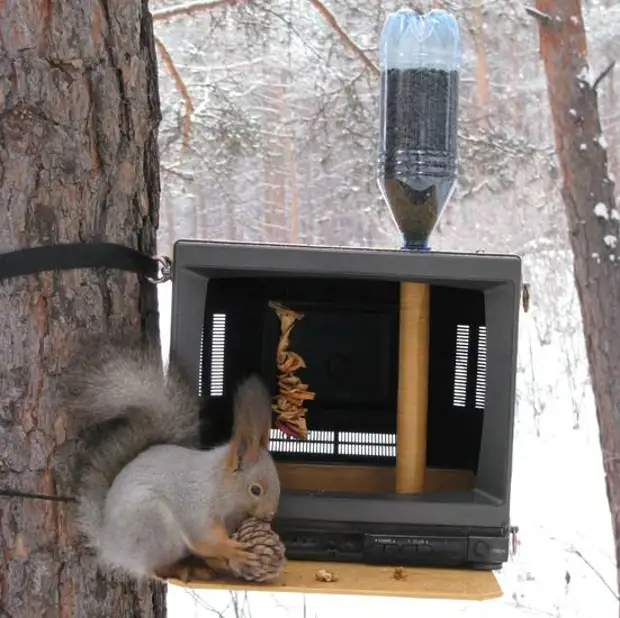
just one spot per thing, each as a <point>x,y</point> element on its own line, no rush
<point>361,579</point>
<point>365,479</point>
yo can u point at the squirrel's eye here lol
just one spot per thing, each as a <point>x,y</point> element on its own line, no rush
<point>256,490</point>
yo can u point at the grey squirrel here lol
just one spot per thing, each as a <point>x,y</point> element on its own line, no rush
<point>147,497</point>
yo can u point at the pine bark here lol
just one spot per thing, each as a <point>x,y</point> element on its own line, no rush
<point>588,195</point>
<point>79,111</point>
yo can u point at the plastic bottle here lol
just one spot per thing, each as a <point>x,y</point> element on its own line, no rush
<point>420,58</point>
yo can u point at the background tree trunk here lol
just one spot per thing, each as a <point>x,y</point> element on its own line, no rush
<point>588,195</point>
<point>79,110</point>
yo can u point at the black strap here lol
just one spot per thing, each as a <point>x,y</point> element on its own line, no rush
<point>14,493</point>
<point>67,256</point>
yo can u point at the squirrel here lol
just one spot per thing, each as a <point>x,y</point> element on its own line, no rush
<point>148,497</point>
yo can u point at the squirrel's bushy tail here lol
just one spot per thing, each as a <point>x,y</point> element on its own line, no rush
<point>121,403</point>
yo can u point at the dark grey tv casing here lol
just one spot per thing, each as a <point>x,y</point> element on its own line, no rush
<point>498,276</point>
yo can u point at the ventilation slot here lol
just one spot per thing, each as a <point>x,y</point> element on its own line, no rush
<point>218,345</point>
<point>345,444</point>
<point>481,374</point>
<point>460,369</point>
<point>318,442</point>
<point>201,361</point>
<point>378,445</point>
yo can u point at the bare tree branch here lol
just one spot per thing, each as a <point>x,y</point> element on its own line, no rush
<point>596,572</point>
<point>181,87</point>
<point>188,177</point>
<point>544,18</point>
<point>193,7</point>
<point>189,9</point>
<point>606,71</point>
<point>329,17</point>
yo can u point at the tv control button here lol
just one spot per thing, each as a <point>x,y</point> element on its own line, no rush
<point>391,549</point>
<point>425,549</point>
<point>481,549</point>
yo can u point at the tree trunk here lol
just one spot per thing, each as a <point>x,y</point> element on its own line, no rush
<point>588,195</point>
<point>79,110</point>
<point>482,72</point>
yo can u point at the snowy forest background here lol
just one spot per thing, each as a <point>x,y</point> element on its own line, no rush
<point>269,132</point>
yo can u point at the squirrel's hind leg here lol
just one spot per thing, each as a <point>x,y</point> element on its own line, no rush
<point>140,539</point>
<point>192,568</point>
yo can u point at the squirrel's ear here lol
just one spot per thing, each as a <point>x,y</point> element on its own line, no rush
<point>252,412</point>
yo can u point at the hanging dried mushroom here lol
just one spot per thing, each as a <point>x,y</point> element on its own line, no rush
<point>292,393</point>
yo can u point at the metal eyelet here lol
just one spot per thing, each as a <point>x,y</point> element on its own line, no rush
<point>164,271</point>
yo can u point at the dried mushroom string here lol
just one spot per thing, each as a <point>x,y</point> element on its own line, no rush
<point>292,393</point>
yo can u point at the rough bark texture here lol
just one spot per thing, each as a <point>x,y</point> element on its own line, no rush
<point>79,111</point>
<point>583,160</point>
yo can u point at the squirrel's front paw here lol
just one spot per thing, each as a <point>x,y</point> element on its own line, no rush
<point>239,554</point>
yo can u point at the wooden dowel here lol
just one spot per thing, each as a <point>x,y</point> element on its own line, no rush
<point>411,419</point>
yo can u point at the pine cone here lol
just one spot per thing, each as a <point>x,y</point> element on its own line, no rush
<point>264,542</point>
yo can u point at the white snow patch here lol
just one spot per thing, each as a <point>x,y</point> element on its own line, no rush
<point>596,257</point>
<point>572,112</point>
<point>600,210</point>
<point>610,240</point>
<point>585,75</point>
<point>601,141</point>
<point>612,257</point>
<point>583,147</point>
<point>615,215</point>
<point>574,20</point>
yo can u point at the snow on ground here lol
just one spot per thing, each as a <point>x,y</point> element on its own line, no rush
<point>558,496</point>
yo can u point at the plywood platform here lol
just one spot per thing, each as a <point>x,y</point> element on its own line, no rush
<point>365,479</point>
<point>359,579</point>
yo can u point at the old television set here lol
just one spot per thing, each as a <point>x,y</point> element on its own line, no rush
<point>338,501</point>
